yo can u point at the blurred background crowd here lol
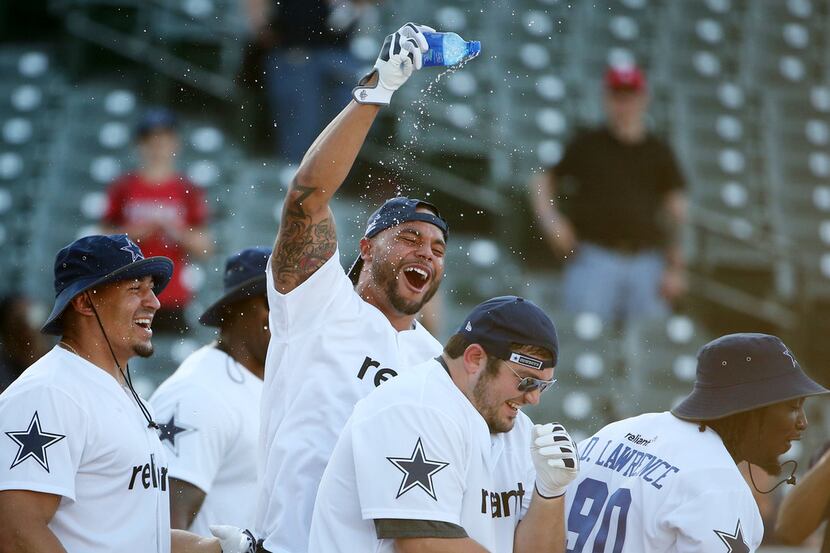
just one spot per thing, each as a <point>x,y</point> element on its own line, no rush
<point>653,172</point>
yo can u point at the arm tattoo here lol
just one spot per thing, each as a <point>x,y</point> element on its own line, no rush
<point>303,246</point>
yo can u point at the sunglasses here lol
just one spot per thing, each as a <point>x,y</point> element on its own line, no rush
<point>529,384</point>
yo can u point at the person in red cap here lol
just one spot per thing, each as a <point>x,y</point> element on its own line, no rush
<point>612,207</point>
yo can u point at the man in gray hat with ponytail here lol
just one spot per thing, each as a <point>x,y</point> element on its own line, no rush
<point>669,481</point>
<point>81,464</point>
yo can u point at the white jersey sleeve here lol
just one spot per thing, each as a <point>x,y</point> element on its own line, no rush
<point>44,437</point>
<point>197,428</point>
<point>309,305</point>
<point>410,463</point>
<point>715,520</point>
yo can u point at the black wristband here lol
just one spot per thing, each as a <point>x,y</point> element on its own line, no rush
<point>546,496</point>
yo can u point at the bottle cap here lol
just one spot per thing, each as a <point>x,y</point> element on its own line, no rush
<point>473,48</point>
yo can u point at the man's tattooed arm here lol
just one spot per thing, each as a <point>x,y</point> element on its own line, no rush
<point>306,238</point>
<point>304,242</point>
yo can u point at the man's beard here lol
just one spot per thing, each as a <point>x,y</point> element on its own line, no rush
<point>483,403</point>
<point>385,276</point>
<point>143,350</point>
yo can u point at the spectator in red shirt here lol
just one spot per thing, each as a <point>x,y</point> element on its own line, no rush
<point>162,211</point>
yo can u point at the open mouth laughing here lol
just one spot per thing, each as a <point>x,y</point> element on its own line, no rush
<point>417,276</point>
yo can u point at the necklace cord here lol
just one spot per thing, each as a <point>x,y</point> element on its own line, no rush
<point>789,480</point>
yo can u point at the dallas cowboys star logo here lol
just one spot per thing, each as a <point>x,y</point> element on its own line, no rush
<point>32,443</point>
<point>734,542</point>
<point>132,249</point>
<point>417,471</point>
<point>168,431</point>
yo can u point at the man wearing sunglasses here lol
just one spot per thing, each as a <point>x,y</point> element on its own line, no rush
<point>441,459</point>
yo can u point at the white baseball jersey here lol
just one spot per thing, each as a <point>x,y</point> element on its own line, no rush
<point>208,411</point>
<point>70,429</point>
<point>416,449</point>
<point>328,349</point>
<point>656,483</point>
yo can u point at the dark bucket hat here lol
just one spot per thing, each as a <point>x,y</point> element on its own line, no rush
<point>499,322</point>
<point>95,260</point>
<point>392,213</point>
<point>742,372</point>
<point>244,278</point>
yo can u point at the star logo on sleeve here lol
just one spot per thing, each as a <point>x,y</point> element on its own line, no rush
<point>32,443</point>
<point>170,430</point>
<point>734,542</point>
<point>417,471</point>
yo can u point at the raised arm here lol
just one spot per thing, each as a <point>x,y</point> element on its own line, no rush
<point>306,237</point>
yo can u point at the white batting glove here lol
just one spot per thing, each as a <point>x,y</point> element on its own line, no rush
<point>233,539</point>
<point>555,458</point>
<point>399,56</point>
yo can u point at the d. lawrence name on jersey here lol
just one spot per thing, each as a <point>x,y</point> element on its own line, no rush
<point>628,460</point>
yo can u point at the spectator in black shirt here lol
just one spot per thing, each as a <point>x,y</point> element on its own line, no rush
<point>612,208</point>
<point>309,72</point>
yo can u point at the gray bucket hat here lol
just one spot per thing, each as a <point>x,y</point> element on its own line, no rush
<point>742,372</point>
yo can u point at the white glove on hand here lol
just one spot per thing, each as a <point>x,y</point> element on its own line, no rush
<point>555,458</point>
<point>399,56</point>
<point>233,539</point>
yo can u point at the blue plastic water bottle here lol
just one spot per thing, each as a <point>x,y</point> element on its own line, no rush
<point>447,49</point>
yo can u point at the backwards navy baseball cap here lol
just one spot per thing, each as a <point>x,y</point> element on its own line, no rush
<point>392,213</point>
<point>244,278</point>
<point>499,322</point>
<point>742,372</point>
<point>154,119</point>
<point>95,260</point>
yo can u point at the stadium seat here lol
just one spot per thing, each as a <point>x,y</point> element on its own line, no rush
<point>586,393</point>
<point>660,360</point>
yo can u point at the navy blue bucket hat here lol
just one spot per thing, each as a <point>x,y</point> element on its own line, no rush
<point>95,260</point>
<point>497,323</point>
<point>392,213</point>
<point>742,372</point>
<point>244,278</point>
